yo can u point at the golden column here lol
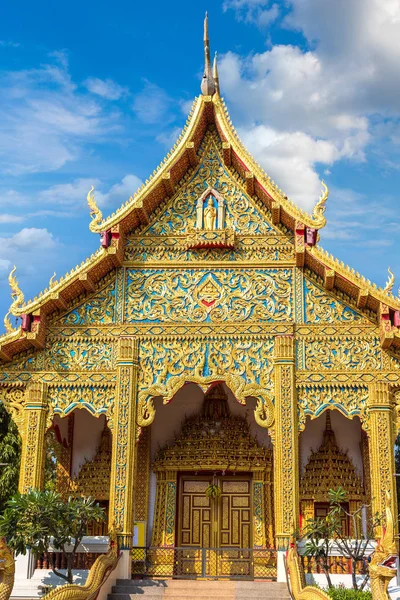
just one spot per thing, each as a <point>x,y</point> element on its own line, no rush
<point>124,439</point>
<point>34,428</point>
<point>286,444</point>
<point>381,447</point>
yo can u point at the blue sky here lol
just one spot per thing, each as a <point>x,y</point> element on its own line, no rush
<point>97,92</point>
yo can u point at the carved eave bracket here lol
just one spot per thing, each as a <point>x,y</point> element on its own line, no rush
<point>389,326</point>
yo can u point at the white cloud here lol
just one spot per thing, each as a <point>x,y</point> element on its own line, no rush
<point>151,104</point>
<point>342,95</point>
<point>120,192</point>
<point>106,88</point>
<point>257,11</point>
<point>32,238</point>
<point>168,139</point>
<point>74,194</point>
<point>70,194</point>
<point>7,218</point>
<point>45,120</point>
<point>67,199</point>
<point>290,158</point>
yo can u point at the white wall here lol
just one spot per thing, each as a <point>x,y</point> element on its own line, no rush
<point>87,434</point>
<point>347,433</point>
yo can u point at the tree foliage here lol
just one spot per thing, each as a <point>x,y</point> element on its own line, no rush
<point>38,519</point>
<point>10,457</point>
<point>324,533</point>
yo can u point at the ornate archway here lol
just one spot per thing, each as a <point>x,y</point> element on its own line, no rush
<point>216,448</point>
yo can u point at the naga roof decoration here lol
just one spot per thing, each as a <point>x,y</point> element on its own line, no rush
<point>208,110</point>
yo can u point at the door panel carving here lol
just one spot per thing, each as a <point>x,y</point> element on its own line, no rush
<point>215,523</point>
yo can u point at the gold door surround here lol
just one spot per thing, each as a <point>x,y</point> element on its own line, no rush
<point>223,522</point>
<point>211,443</point>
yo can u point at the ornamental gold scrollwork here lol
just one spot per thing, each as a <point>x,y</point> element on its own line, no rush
<point>397,410</point>
<point>244,365</point>
<point>153,249</point>
<point>180,213</point>
<point>17,299</point>
<point>201,295</point>
<point>14,400</point>
<point>80,354</point>
<point>97,400</point>
<point>343,353</point>
<point>322,307</point>
<point>96,309</point>
<point>351,401</point>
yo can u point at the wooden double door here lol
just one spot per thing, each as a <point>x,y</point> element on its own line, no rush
<point>222,522</point>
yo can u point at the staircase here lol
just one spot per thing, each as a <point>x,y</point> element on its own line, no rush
<point>179,589</point>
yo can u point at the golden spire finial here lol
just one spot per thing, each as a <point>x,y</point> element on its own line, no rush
<point>320,208</point>
<point>17,299</point>
<point>215,73</point>
<point>390,282</point>
<point>95,212</point>
<point>207,83</point>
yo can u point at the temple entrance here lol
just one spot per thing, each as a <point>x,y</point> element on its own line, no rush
<point>219,522</point>
<point>213,500</point>
<point>220,526</point>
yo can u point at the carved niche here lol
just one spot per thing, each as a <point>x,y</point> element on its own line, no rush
<point>211,229</point>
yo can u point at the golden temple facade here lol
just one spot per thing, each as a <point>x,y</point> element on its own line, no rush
<point>183,364</point>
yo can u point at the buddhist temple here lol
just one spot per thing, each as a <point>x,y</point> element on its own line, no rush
<point>209,372</point>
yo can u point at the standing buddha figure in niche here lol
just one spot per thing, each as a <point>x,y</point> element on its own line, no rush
<point>210,215</point>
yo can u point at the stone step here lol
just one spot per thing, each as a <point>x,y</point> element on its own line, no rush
<point>189,595</point>
<point>188,589</point>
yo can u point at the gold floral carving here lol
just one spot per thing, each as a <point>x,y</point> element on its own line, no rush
<point>124,450</point>
<point>79,354</point>
<point>236,295</point>
<point>32,459</point>
<point>244,364</point>
<point>156,249</point>
<point>96,399</point>
<point>141,502</point>
<point>14,400</point>
<point>381,437</point>
<point>241,212</point>
<point>351,401</point>
<point>96,308</point>
<point>343,353</point>
<point>323,307</point>
<point>286,460</point>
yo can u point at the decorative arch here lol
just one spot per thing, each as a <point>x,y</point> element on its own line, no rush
<point>263,413</point>
<point>350,401</point>
<point>98,400</point>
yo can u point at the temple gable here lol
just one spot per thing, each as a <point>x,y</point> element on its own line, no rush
<point>323,307</point>
<point>210,217</point>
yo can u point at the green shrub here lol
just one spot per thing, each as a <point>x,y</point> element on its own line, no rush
<point>342,593</point>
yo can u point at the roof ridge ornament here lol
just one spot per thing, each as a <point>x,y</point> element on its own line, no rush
<point>208,86</point>
<point>17,299</point>
<point>390,282</point>
<point>95,212</point>
<point>320,208</point>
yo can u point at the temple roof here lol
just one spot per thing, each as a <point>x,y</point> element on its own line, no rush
<point>208,110</point>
